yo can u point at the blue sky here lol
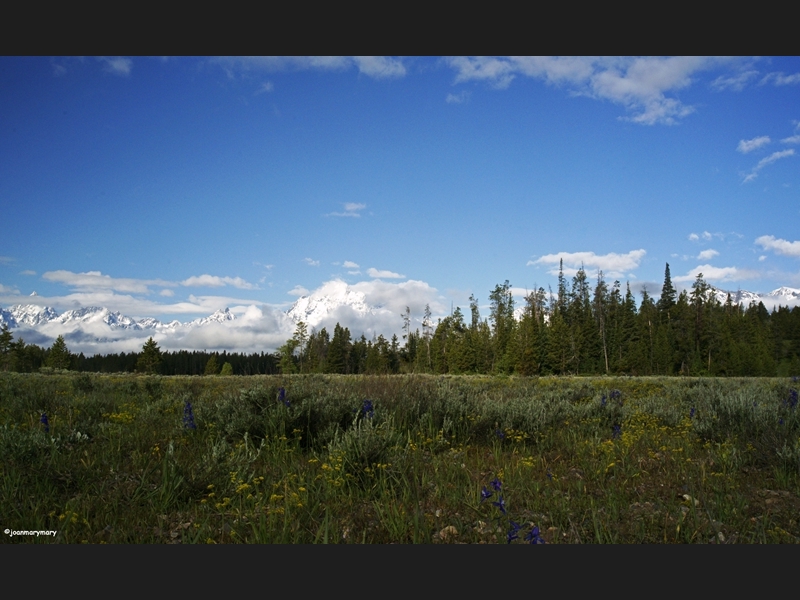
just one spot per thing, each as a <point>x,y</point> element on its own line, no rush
<point>171,187</point>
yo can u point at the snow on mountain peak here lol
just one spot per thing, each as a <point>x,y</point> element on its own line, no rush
<point>314,308</point>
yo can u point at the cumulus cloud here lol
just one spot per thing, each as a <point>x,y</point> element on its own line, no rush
<point>373,272</point>
<point>707,254</point>
<point>746,146</point>
<point>719,274</point>
<point>767,161</point>
<point>166,292</point>
<point>214,281</point>
<point>693,237</point>
<point>779,246</point>
<point>641,85</point>
<point>612,264</point>
<point>311,262</point>
<point>116,65</point>
<point>95,280</point>
<point>349,264</point>
<point>298,290</point>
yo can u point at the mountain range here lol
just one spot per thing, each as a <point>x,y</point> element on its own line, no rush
<point>336,302</point>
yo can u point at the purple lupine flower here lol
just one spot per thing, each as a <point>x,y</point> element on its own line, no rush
<point>616,431</point>
<point>499,433</point>
<point>603,400</point>
<point>188,416</point>
<point>549,474</point>
<point>691,413</point>
<point>485,494</point>
<point>45,422</point>
<point>367,410</point>
<point>496,484</point>
<point>282,397</point>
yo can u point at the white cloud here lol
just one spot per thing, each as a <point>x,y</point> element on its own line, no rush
<point>311,262</point>
<point>733,82</point>
<point>373,272</point>
<point>214,281</point>
<point>351,209</point>
<point>4,289</point>
<point>719,274</point>
<point>638,84</point>
<point>27,272</point>
<point>795,139</point>
<point>6,260</point>
<point>612,264</point>
<point>457,98</point>
<point>349,264</point>
<point>693,237</point>
<point>762,258</point>
<point>380,67</point>
<point>707,254</point>
<point>116,65</point>
<point>746,146</point>
<point>779,246</point>
<point>298,290</point>
<point>377,67</point>
<point>96,281</point>
<point>767,161</point>
<point>778,78</point>
<point>167,293</point>
<point>265,88</point>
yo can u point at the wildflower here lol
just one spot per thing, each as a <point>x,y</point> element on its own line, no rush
<point>512,533</point>
<point>691,413</point>
<point>501,504</point>
<point>188,416</point>
<point>533,536</point>
<point>616,395</point>
<point>500,434</point>
<point>549,474</point>
<point>792,399</point>
<point>616,431</point>
<point>45,422</point>
<point>282,397</point>
<point>496,484</point>
<point>367,410</point>
<point>603,400</point>
<point>485,494</point>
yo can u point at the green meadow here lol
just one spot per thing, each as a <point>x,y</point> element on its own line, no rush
<point>130,459</point>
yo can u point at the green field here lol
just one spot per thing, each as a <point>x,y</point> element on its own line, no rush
<point>398,459</point>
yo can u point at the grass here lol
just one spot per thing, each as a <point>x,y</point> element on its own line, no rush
<point>398,459</point>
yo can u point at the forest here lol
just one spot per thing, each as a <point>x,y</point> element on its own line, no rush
<point>583,328</point>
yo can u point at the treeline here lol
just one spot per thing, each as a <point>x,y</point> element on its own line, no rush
<point>16,355</point>
<point>582,329</point>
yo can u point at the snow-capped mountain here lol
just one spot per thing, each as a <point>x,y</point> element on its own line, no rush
<point>786,294</point>
<point>315,308</point>
<point>738,297</point>
<point>219,316</point>
<point>35,316</point>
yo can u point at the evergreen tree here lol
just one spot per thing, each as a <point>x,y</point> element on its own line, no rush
<point>6,340</point>
<point>59,356</point>
<point>150,357</point>
<point>227,370</point>
<point>668,294</point>
<point>212,367</point>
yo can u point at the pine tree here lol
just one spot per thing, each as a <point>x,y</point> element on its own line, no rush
<point>668,294</point>
<point>6,340</point>
<point>212,367</point>
<point>227,370</point>
<point>150,357</point>
<point>59,356</point>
